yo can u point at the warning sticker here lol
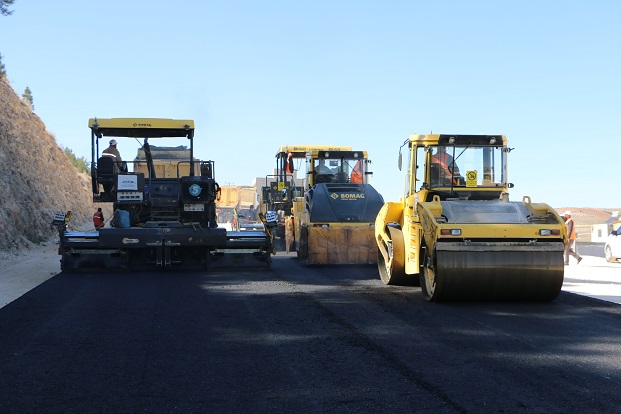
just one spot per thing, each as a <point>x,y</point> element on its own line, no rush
<point>471,178</point>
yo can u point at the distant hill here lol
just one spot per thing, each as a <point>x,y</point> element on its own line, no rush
<point>36,177</point>
<point>585,217</point>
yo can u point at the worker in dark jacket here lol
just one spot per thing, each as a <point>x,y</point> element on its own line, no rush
<point>114,153</point>
<point>98,219</point>
<point>111,150</point>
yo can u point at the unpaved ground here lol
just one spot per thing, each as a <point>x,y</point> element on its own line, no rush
<point>594,277</point>
<point>23,271</point>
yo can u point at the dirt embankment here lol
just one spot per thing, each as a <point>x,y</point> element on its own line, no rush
<point>36,178</point>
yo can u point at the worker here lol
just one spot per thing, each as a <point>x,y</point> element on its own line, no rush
<point>114,152</point>
<point>252,213</point>
<point>322,168</point>
<point>448,170</point>
<point>324,173</point>
<point>356,174</point>
<point>111,150</point>
<point>289,168</point>
<point>571,235</point>
<point>98,219</point>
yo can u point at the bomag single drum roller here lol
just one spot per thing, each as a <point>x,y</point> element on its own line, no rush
<point>456,233</point>
<point>325,204</point>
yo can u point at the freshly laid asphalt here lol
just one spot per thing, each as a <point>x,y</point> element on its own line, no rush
<point>303,339</point>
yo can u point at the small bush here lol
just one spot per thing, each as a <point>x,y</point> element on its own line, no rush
<point>80,164</point>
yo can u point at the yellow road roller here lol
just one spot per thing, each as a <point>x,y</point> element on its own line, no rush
<point>456,233</point>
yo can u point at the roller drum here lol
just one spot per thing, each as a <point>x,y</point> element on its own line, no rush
<point>497,272</point>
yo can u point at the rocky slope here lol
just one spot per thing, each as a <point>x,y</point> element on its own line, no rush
<point>36,178</point>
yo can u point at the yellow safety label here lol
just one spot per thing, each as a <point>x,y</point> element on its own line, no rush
<point>471,178</point>
<point>281,185</point>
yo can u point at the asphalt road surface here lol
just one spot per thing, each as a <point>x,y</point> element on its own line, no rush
<point>298,339</point>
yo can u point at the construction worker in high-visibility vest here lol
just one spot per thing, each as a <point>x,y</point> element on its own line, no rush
<point>571,235</point>
<point>449,172</point>
<point>356,174</point>
<point>98,219</point>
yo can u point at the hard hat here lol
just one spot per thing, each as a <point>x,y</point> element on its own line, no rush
<point>113,142</point>
<point>567,213</point>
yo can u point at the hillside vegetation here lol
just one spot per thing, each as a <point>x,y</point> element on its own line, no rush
<point>36,177</point>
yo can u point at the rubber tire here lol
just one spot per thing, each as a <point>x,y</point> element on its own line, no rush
<point>608,253</point>
<point>395,273</point>
<point>428,280</point>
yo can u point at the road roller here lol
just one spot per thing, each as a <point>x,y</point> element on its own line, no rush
<point>456,233</point>
<point>334,219</point>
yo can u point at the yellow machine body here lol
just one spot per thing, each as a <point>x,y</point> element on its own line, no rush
<point>456,233</point>
<point>235,207</point>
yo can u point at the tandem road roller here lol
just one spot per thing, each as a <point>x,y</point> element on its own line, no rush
<point>457,234</point>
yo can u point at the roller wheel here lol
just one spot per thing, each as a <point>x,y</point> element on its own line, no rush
<point>609,257</point>
<point>428,279</point>
<point>393,271</point>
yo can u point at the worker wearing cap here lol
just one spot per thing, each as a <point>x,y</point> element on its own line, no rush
<point>571,235</point>
<point>111,150</point>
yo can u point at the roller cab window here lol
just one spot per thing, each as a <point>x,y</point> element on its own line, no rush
<point>339,170</point>
<point>455,166</point>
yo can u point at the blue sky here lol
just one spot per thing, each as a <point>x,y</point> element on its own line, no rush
<point>255,75</point>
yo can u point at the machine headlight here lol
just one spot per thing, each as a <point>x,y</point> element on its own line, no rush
<point>549,232</point>
<point>450,232</point>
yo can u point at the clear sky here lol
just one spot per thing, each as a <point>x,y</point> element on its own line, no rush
<point>255,75</point>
